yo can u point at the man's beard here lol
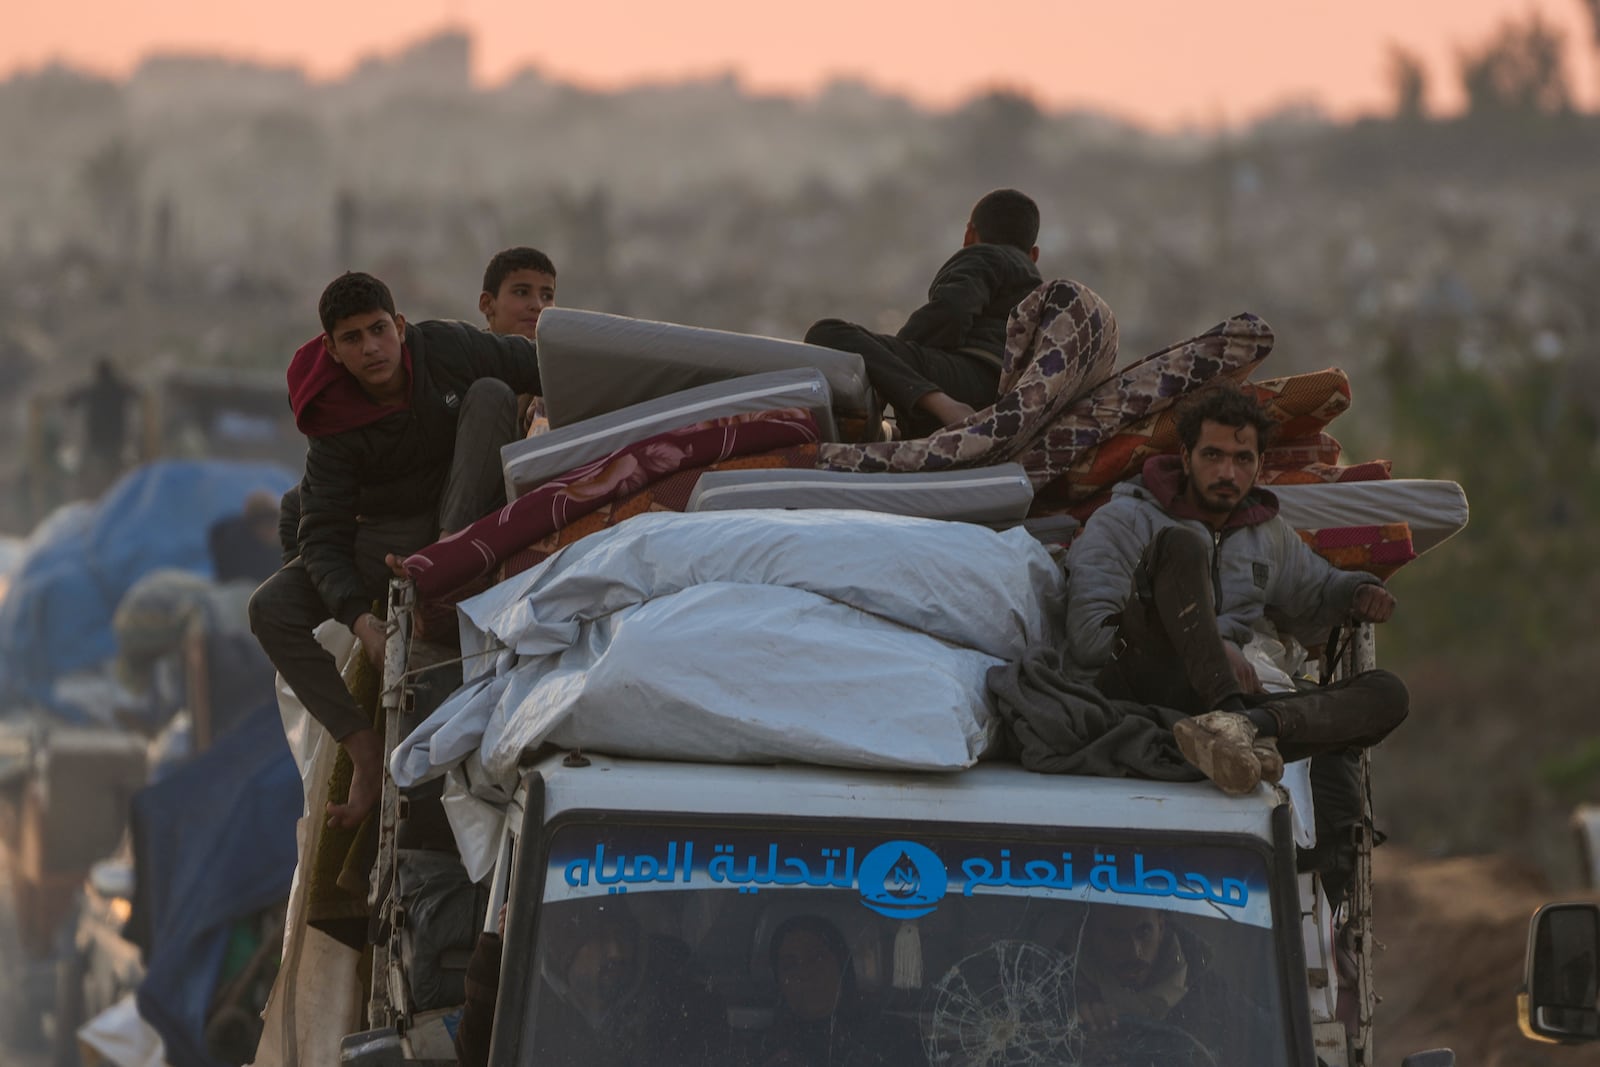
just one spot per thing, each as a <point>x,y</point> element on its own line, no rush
<point>1219,505</point>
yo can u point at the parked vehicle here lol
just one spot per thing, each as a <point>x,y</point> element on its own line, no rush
<point>1560,998</point>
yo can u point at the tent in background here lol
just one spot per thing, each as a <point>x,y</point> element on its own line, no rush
<point>55,617</point>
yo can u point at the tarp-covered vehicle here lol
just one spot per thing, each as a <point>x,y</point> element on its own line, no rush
<point>78,744</point>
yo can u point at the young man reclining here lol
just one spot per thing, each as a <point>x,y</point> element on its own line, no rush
<point>945,362</point>
<point>1170,580</point>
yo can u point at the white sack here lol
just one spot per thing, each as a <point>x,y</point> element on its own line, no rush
<point>316,997</point>
<point>119,1037</point>
<point>1277,662</point>
<point>845,638</point>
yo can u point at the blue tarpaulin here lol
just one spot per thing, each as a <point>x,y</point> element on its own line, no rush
<point>214,843</point>
<point>56,617</point>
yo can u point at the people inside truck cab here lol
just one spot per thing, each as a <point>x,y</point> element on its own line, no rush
<point>1136,966</point>
<point>611,995</point>
<point>822,1020</point>
<point>1170,579</point>
<point>404,423</point>
<point>945,361</point>
<point>518,284</point>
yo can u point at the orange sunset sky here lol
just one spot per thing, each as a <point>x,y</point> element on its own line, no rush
<point>1163,62</point>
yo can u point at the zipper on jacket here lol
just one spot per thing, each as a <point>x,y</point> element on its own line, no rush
<point>1216,569</point>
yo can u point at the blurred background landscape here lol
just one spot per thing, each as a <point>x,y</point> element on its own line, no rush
<point>186,215</point>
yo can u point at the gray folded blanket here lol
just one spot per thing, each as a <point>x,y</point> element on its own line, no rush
<point>1059,726</point>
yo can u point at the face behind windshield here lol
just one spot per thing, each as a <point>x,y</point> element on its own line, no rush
<point>791,948</point>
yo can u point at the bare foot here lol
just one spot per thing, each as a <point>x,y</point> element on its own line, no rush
<point>374,638</point>
<point>958,412</point>
<point>944,407</point>
<point>366,780</point>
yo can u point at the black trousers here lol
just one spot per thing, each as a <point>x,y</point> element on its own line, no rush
<point>287,608</point>
<point>1170,653</point>
<point>904,372</point>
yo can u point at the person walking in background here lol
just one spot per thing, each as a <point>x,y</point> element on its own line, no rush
<point>104,401</point>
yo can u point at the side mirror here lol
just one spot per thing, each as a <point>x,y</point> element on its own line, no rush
<point>1560,998</point>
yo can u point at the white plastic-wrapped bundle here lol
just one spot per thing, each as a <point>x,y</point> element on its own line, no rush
<point>833,637</point>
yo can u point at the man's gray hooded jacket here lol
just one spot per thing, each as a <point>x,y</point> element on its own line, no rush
<point>1260,566</point>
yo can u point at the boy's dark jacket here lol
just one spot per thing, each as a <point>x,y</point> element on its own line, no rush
<point>971,298</point>
<point>367,460</point>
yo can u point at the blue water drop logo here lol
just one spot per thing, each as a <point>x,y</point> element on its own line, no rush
<point>902,880</point>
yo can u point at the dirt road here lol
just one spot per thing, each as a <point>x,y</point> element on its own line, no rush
<point>1454,932</point>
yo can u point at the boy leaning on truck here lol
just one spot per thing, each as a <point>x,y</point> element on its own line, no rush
<point>1166,585</point>
<point>518,284</point>
<point>404,423</point>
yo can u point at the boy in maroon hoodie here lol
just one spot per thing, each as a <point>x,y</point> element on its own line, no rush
<point>404,424</point>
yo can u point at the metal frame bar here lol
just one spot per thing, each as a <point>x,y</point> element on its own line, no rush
<point>387,1003</point>
<point>1361,655</point>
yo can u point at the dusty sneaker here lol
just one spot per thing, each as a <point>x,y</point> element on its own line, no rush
<point>1266,750</point>
<point>1220,743</point>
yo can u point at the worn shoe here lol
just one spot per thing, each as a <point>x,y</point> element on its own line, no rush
<point>1221,744</point>
<point>1266,750</point>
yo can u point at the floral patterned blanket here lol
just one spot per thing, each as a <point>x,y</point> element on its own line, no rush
<point>1059,398</point>
<point>449,565</point>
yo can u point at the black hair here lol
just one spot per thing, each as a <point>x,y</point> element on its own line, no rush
<point>1007,217</point>
<point>352,293</point>
<point>514,259</point>
<point>1227,405</point>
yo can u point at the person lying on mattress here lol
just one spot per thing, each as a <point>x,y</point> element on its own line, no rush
<point>945,362</point>
<point>404,424</point>
<point>518,284</point>
<point>1170,580</point>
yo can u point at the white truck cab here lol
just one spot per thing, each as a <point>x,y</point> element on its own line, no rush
<point>979,909</point>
